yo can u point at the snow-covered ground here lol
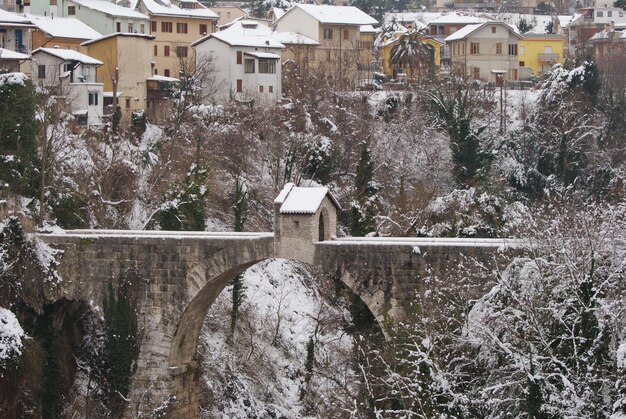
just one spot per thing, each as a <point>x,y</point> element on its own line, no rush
<point>261,371</point>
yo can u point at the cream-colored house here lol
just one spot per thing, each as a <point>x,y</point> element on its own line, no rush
<point>337,29</point>
<point>128,55</point>
<point>487,51</point>
<point>226,13</point>
<point>175,26</point>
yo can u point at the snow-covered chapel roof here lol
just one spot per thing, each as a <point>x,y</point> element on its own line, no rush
<point>298,200</point>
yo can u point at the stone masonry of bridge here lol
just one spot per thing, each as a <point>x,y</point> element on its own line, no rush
<point>179,275</point>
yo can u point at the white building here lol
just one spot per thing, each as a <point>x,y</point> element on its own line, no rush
<point>71,75</point>
<point>14,32</point>
<point>103,16</point>
<point>485,51</point>
<point>246,60</point>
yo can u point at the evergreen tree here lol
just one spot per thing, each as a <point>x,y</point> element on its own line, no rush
<point>18,135</point>
<point>184,210</point>
<point>120,339</point>
<point>362,214</point>
<point>524,25</point>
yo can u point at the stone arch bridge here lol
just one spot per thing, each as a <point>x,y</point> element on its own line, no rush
<point>182,274</point>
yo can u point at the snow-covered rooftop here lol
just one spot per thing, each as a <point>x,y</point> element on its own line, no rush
<point>337,15</point>
<point>411,17</point>
<point>467,30</point>
<point>8,17</point>
<point>69,55</point>
<point>121,34</point>
<point>64,27</point>
<point>266,55</point>
<point>278,12</point>
<point>293,38</point>
<point>7,54</point>
<point>298,200</point>
<point>167,8</point>
<point>452,18</point>
<point>156,77</point>
<point>245,33</point>
<point>564,21</point>
<point>368,29</point>
<point>110,8</point>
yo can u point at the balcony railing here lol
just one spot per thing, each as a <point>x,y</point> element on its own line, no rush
<point>548,58</point>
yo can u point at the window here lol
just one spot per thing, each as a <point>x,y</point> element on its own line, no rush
<point>130,27</point>
<point>476,73</point>
<point>239,57</point>
<point>328,55</point>
<point>166,50</point>
<point>261,89</point>
<point>493,29</point>
<point>311,55</point>
<point>71,10</point>
<point>93,99</point>
<point>118,26</point>
<point>499,48</point>
<point>153,26</point>
<point>463,52</point>
<point>142,28</point>
<point>127,103</point>
<point>181,27</point>
<point>166,27</point>
<point>512,49</point>
<point>328,34</point>
<point>513,74</point>
<point>522,64</point>
<point>68,67</point>
<point>271,89</point>
<point>345,34</point>
<point>249,66</point>
<point>239,85</point>
<point>547,50</point>
<point>203,29</point>
<point>156,50</point>
<point>267,66</point>
<point>181,52</point>
<point>41,71</point>
<point>609,13</point>
<point>522,50</point>
<point>227,15</point>
<point>599,14</point>
<point>166,72</point>
<point>474,48</point>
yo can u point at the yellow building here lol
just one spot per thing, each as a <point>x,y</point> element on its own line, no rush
<point>175,29</point>
<point>367,64</point>
<point>386,48</point>
<point>538,53</point>
<point>130,54</point>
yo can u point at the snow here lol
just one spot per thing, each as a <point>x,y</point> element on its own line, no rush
<point>415,242</point>
<point>368,29</point>
<point>263,366</point>
<point>169,9</point>
<point>64,27</point>
<point>346,15</point>
<point>110,8</point>
<point>157,77</point>
<point>69,55</point>
<point>303,200</point>
<point>245,33</point>
<point>7,54</point>
<point>11,335</point>
<point>283,194</point>
<point>126,34</point>
<point>8,17</point>
<point>266,55</point>
<point>452,18</point>
<point>12,78</point>
<point>463,32</point>
<point>621,356</point>
<point>293,38</point>
<point>178,235</point>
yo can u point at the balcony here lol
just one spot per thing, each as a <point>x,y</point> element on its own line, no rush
<point>548,58</point>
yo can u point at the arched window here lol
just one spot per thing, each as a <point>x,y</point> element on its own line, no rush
<point>321,228</point>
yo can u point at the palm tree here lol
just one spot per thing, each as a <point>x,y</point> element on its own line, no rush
<point>413,52</point>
